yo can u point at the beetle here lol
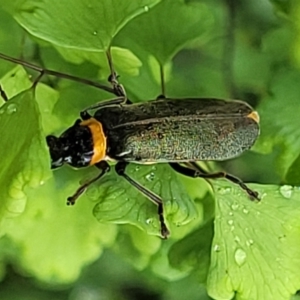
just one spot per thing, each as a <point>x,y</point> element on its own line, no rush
<point>179,132</point>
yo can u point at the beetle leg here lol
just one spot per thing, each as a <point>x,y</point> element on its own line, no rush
<point>193,165</point>
<point>3,94</point>
<point>203,174</point>
<point>162,84</point>
<point>104,167</point>
<point>162,81</point>
<point>120,169</point>
<point>160,97</point>
<point>113,77</point>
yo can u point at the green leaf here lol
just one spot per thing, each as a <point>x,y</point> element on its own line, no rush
<point>135,246</point>
<point>193,250</point>
<point>255,250</point>
<point>160,264</point>
<point>279,119</point>
<point>159,32</point>
<point>25,160</point>
<point>10,33</point>
<point>293,173</point>
<point>15,82</point>
<point>283,7</point>
<point>123,204</point>
<point>55,241</point>
<point>123,60</point>
<point>81,25</point>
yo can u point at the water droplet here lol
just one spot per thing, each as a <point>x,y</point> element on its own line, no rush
<point>150,176</point>
<point>282,238</point>
<point>42,182</point>
<point>137,168</point>
<point>95,33</point>
<point>230,213</point>
<point>153,168</point>
<point>263,195</point>
<point>286,191</point>
<point>234,206</point>
<point>245,211</point>
<point>224,191</point>
<point>146,8</point>
<point>249,242</point>
<point>237,239</point>
<point>230,222</point>
<point>217,248</point>
<point>149,221</point>
<point>11,108</point>
<point>240,256</point>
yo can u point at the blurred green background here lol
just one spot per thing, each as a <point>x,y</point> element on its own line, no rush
<point>222,245</point>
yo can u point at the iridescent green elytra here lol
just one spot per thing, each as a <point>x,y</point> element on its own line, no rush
<point>170,130</point>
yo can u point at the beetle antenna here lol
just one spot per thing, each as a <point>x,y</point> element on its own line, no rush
<point>118,88</point>
<point>58,74</point>
<point>113,75</point>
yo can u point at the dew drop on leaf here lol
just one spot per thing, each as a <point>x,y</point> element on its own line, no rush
<point>240,256</point>
<point>11,108</point>
<point>286,191</point>
<point>263,195</point>
<point>230,222</point>
<point>149,221</point>
<point>249,242</point>
<point>217,248</point>
<point>224,190</point>
<point>245,211</point>
<point>150,176</point>
<point>234,206</point>
<point>237,239</point>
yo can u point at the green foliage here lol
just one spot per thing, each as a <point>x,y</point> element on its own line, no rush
<point>96,22</point>
<point>219,238</point>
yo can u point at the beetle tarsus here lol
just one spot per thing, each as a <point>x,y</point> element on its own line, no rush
<point>120,169</point>
<point>104,167</point>
<point>163,228</point>
<point>3,94</point>
<point>196,172</point>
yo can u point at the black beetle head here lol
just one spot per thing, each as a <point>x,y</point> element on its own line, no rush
<point>74,147</point>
